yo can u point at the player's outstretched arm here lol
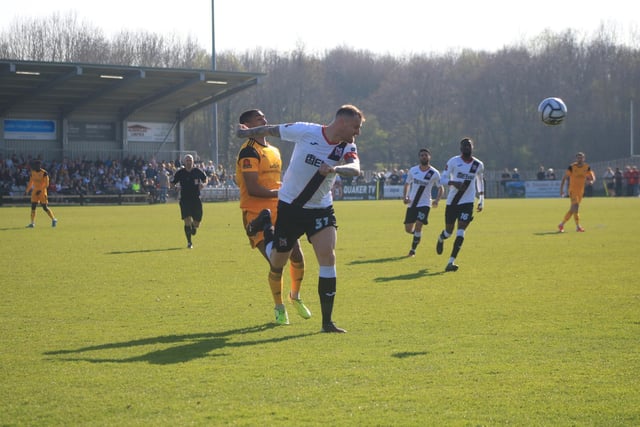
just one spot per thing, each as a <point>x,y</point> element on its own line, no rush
<point>268,130</point>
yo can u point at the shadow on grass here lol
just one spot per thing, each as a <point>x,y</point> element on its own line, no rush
<point>410,276</point>
<point>182,348</point>
<point>547,233</point>
<point>141,251</point>
<point>377,260</point>
<point>405,354</point>
<point>13,228</point>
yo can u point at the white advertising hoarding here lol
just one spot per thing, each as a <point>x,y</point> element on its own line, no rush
<point>151,132</point>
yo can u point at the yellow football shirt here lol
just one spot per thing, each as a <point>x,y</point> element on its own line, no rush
<point>38,182</point>
<point>578,177</point>
<point>266,162</point>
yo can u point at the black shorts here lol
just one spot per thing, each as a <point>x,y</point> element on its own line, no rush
<point>192,208</point>
<point>419,213</point>
<point>294,221</point>
<point>463,212</point>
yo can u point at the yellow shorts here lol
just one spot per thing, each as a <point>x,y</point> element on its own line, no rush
<point>576,198</point>
<point>248,216</point>
<point>41,198</point>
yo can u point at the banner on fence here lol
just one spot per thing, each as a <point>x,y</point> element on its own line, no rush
<point>151,132</point>
<point>29,129</point>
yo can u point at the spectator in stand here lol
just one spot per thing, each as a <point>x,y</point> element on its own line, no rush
<point>136,186</point>
<point>628,181</point>
<point>551,175</point>
<point>381,178</point>
<point>163,183</point>
<point>214,180</point>
<point>618,179</point>
<point>394,177</point>
<point>151,172</point>
<point>149,187</point>
<point>588,188</point>
<point>221,174</point>
<point>210,169</point>
<point>608,178</point>
<point>504,178</point>
<point>404,173</point>
<point>542,174</point>
<point>126,183</point>
<point>515,176</point>
<point>635,180</point>
<point>119,185</point>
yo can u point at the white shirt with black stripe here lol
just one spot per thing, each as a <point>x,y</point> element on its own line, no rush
<point>311,149</point>
<point>427,179</point>
<point>458,170</point>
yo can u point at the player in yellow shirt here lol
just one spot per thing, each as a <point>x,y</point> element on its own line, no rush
<point>38,184</point>
<point>258,172</point>
<point>577,174</point>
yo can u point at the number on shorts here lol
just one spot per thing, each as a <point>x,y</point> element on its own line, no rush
<point>322,222</point>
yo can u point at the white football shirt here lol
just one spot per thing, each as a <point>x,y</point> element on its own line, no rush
<point>302,184</point>
<point>422,183</point>
<point>458,170</point>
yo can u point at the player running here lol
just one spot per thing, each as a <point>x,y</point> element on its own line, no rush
<point>191,180</point>
<point>421,179</point>
<point>464,174</point>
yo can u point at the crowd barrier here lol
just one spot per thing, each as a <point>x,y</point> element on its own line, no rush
<point>209,194</point>
<point>526,189</point>
<point>77,199</point>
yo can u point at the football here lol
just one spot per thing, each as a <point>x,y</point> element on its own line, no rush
<point>552,111</point>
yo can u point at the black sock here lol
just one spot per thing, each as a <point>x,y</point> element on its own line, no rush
<point>327,293</point>
<point>193,230</point>
<point>456,246</point>
<point>415,242</point>
<point>187,232</point>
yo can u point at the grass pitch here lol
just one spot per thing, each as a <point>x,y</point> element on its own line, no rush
<point>109,320</point>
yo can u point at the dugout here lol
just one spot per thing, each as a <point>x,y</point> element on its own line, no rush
<point>87,110</point>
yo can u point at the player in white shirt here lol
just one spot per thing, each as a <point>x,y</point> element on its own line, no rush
<point>464,175</point>
<point>417,195</point>
<point>305,204</point>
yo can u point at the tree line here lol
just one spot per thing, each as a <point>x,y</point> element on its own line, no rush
<point>411,101</point>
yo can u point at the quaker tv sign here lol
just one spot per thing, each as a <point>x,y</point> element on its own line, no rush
<point>358,192</point>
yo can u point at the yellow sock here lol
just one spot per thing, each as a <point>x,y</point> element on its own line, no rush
<point>296,270</point>
<point>567,216</point>
<point>576,218</point>
<point>275,283</point>
<point>50,213</point>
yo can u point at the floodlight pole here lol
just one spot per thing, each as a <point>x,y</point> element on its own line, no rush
<point>214,127</point>
<point>631,126</point>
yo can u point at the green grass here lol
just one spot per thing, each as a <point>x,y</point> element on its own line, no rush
<point>109,320</point>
